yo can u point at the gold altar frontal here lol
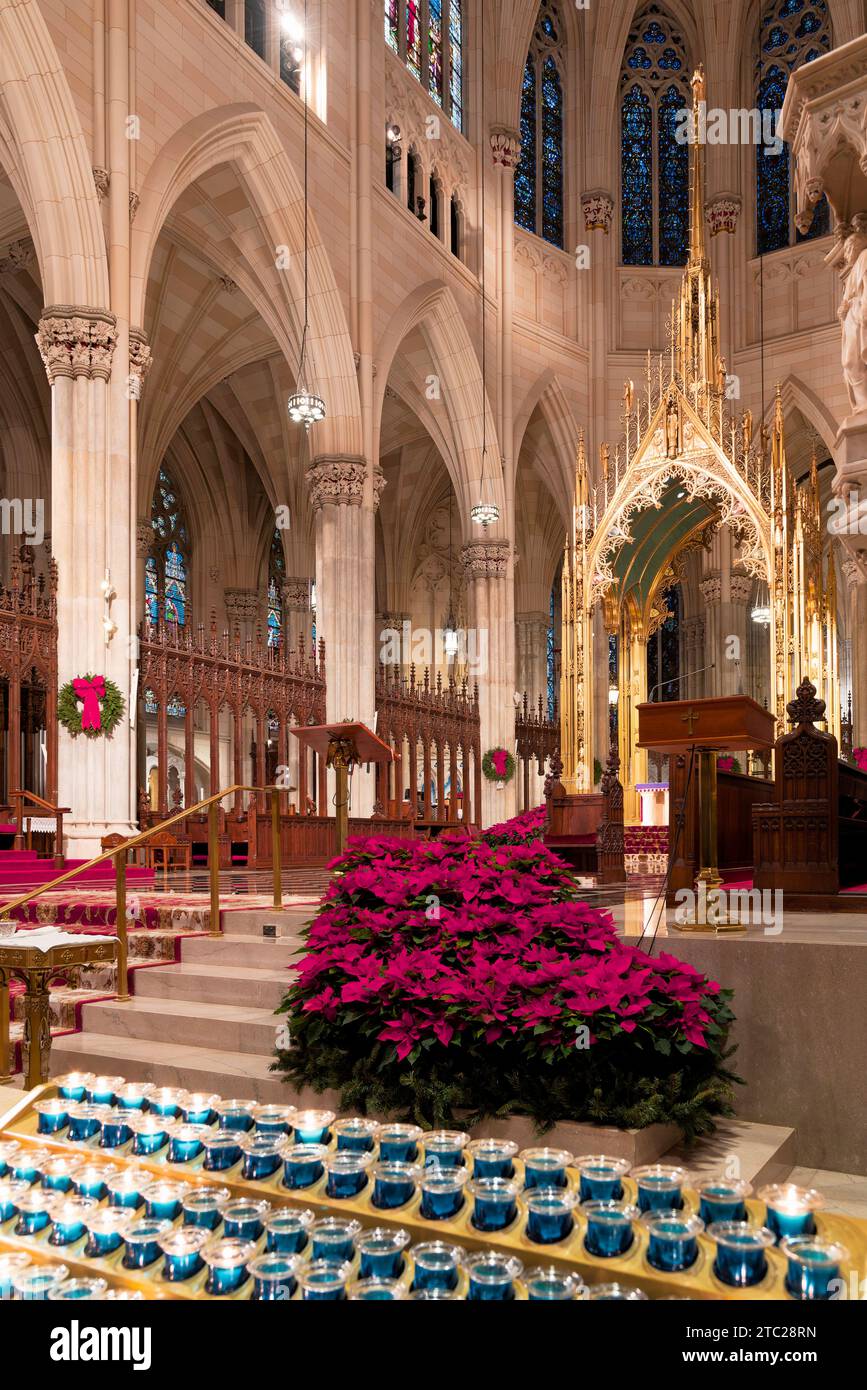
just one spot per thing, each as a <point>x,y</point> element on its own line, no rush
<point>569,1255</point>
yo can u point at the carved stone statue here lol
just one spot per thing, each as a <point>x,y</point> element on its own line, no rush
<point>852,312</point>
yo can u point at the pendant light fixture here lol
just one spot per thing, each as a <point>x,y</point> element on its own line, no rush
<point>484,513</point>
<point>304,405</point>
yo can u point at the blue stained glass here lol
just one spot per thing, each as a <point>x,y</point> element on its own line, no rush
<point>790,7</point>
<point>772,173</point>
<point>776,38</point>
<point>151,591</point>
<point>525,174</point>
<point>176,585</point>
<point>435,50</point>
<point>638,59</point>
<point>392,22</point>
<point>456,63</point>
<point>170,533</point>
<point>653,33</point>
<point>552,156</point>
<point>539,177</point>
<point>670,61</point>
<point>276,572</point>
<point>673,182</point>
<point>637,177</point>
<point>810,24</point>
<point>548,26</point>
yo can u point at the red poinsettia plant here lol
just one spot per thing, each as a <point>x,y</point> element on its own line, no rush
<point>859,757</point>
<point>456,975</point>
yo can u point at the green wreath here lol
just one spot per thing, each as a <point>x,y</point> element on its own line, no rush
<point>70,709</point>
<point>504,760</point>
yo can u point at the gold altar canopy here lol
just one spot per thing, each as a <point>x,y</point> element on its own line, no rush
<point>686,466</point>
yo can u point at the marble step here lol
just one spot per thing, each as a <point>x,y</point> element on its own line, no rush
<point>185,1023</point>
<point>225,950</point>
<point>740,1148</point>
<point>250,921</point>
<point>214,984</point>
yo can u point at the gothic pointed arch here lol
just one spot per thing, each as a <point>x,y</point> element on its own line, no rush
<point>166,567</point>
<point>539,176</point>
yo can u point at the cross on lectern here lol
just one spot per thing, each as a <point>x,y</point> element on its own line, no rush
<point>691,718</point>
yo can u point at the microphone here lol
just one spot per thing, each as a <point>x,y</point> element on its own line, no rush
<point>678,679</point>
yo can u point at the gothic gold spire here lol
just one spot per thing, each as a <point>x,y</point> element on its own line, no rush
<point>697,314</point>
<point>697,250</point>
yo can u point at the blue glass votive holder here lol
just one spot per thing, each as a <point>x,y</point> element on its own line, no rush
<point>723,1199</point>
<point>673,1239</point>
<point>58,1173</point>
<point>150,1133</point>
<point>164,1200</point>
<point>34,1283</point>
<point>125,1188</point>
<point>222,1151</point>
<point>312,1126</point>
<point>11,1266</point>
<point>492,1158</point>
<point>28,1165</point>
<point>323,1280</point>
<point>545,1167</point>
<point>102,1090</point>
<point>442,1192</point>
<point>11,1193</point>
<point>609,1228</point>
<point>601,1177</point>
<point>198,1108</point>
<point>133,1095</point>
<point>660,1187</point>
<point>186,1142</point>
<point>549,1214</point>
<point>204,1207</point>
<point>740,1252</point>
<point>8,1149</point>
<point>394,1184</point>
<point>166,1101</point>
<point>142,1243</point>
<point>69,1216</point>
<point>273,1119</point>
<point>356,1135</point>
<point>399,1143</point>
<point>333,1240</point>
<point>182,1253</point>
<point>235,1115</point>
<point>347,1173</point>
<point>287,1232</point>
<point>73,1085</point>
<point>495,1203</point>
<point>115,1130</point>
<point>78,1289</point>
<point>813,1272</point>
<point>790,1209</point>
<point>615,1293</point>
<point>34,1212</point>
<point>106,1228</point>
<point>262,1155</point>
<point>53,1115</point>
<point>380,1253</point>
<point>244,1219</point>
<point>436,1266</point>
<point>444,1148</point>
<point>375,1291</point>
<point>274,1277</point>
<point>303,1164</point>
<point>227,1262</point>
<point>492,1277</point>
<point>552,1285</point>
<point>92,1179</point>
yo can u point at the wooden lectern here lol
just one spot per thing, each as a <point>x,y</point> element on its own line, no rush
<point>343,747</point>
<point>722,723</point>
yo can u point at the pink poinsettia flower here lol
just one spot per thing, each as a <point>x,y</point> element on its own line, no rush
<point>403,1033</point>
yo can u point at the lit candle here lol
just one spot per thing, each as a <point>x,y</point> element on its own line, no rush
<point>125,1188</point>
<point>8,1149</point>
<point>106,1228</point>
<point>34,1212</point>
<point>262,1155</point>
<point>375,1291</point>
<point>399,1143</point>
<point>444,1148</point>
<point>323,1280</point>
<point>53,1115</point>
<point>204,1207</point>
<point>28,1165</point>
<point>436,1266</point>
<point>492,1158</point>
<point>68,1219</point>
<point>102,1090</point>
<point>492,1277</point>
<point>740,1252</point>
<point>609,1228</point>
<point>813,1271</point>
<point>334,1239</point>
<point>549,1214</point>
<point>115,1129</point>
<point>673,1239</point>
<point>182,1251</point>
<point>133,1095</point>
<point>198,1108</point>
<point>142,1242</point>
<point>58,1172</point>
<point>545,1167</point>
<point>222,1151</point>
<point>600,1177</point>
<point>347,1173</point>
<point>235,1115</point>
<point>274,1277</point>
<point>11,1265</point>
<point>303,1164</point>
<point>356,1135</point>
<point>74,1084</point>
<point>11,1193</point>
<point>442,1192</point>
<point>495,1203</point>
<point>273,1119</point>
<point>790,1209</point>
<point>311,1126</point>
<point>166,1101</point>
<point>394,1184</point>
<point>245,1219</point>
<point>380,1253</point>
<point>91,1180</point>
<point>550,1285</point>
<point>287,1232</point>
<point>164,1200</point>
<point>34,1284</point>
<point>186,1142</point>
<point>78,1289</point>
<point>660,1187</point>
<point>723,1199</point>
<point>227,1262</point>
<point>150,1133</point>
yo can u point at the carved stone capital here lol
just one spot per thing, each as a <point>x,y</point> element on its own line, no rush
<point>134,201</point>
<point>722,213</point>
<point>336,481</point>
<point>598,209</point>
<point>144,537</point>
<point>242,605</point>
<point>741,588</point>
<point>140,360</point>
<point>296,594</point>
<point>505,147</point>
<point>380,483</point>
<point>486,559</point>
<point>711,588</point>
<point>102,181</point>
<point>74,341</point>
<point>18,256</point>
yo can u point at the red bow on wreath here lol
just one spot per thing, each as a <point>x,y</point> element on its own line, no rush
<point>500,759</point>
<point>90,692</point>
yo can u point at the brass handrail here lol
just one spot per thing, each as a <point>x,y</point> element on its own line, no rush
<point>59,811</point>
<point>119,853</point>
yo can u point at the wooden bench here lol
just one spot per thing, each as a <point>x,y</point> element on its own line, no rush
<point>586,829</point>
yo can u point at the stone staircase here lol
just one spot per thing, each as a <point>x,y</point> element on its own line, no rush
<point>206,1023</point>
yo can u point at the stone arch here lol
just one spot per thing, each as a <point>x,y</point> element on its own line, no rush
<point>796,394</point>
<point>43,152</point>
<point>243,136</point>
<point>548,397</point>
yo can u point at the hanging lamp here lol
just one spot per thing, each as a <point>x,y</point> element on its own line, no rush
<point>484,513</point>
<point>305,406</point>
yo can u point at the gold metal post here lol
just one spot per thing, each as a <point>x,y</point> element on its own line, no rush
<point>275,848</point>
<point>214,865</point>
<point>122,989</point>
<point>5,1057</point>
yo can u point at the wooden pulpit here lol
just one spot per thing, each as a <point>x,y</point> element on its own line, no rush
<point>343,746</point>
<point>721,723</point>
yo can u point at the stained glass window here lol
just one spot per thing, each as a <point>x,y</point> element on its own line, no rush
<point>276,575</point>
<point>429,36</point>
<point>219,6</point>
<point>654,166</point>
<point>793,32</point>
<point>255,25</point>
<point>539,174</point>
<point>166,569</point>
<point>455,219</point>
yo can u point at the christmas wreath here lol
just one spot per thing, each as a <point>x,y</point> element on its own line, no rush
<point>90,705</point>
<point>498,765</point>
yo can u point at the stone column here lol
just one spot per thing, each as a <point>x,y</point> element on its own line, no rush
<point>531,656</point>
<point>597,206</point>
<point>506,153</point>
<point>490,595</point>
<point>692,659</point>
<point>297,612</point>
<point>739,676</point>
<point>723,212</point>
<point>711,592</point>
<point>244,610</point>
<point>858,600</point>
